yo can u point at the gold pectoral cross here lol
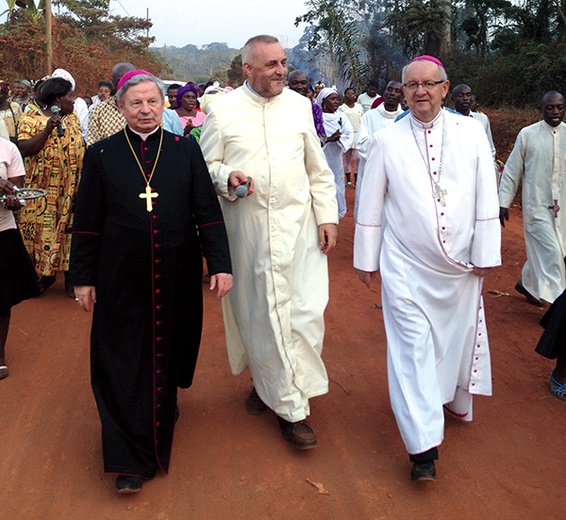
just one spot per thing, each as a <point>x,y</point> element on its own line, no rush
<point>439,193</point>
<point>148,195</point>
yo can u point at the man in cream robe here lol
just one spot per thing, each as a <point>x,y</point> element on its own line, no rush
<point>539,160</point>
<point>279,234</point>
<point>372,121</point>
<point>428,222</point>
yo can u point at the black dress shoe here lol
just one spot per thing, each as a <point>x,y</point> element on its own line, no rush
<point>520,288</point>
<point>45,282</point>
<point>423,471</point>
<point>254,404</point>
<point>299,434</point>
<point>127,484</point>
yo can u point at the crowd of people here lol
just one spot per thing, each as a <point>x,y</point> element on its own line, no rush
<point>139,182</point>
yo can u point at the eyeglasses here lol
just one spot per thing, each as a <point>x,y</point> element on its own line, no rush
<point>411,86</point>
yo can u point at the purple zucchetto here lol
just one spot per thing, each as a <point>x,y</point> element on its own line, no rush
<point>426,57</point>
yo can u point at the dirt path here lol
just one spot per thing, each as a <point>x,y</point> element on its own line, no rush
<point>226,464</point>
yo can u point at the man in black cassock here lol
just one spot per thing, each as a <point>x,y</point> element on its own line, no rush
<point>145,213</point>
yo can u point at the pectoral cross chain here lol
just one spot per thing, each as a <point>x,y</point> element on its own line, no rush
<point>439,193</point>
<point>148,195</point>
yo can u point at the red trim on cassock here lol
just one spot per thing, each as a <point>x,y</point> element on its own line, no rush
<point>211,224</point>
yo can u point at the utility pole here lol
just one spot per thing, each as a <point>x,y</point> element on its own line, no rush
<point>147,20</point>
<point>48,37</point>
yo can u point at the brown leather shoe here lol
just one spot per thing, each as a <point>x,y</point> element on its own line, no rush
<point>299,434</point>
<point>254,404</point>
<point>423,471</point>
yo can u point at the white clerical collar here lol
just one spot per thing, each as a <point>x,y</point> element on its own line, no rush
<point>144,136</point>
<point>386,113</point>
<point>247,84</point>
<point>435,122</point>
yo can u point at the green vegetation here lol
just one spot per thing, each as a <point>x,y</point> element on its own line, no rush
<point>208,63</point>
<point>509,52</point>
<point>87,41</point>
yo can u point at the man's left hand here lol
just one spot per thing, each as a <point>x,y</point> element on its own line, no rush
<point>222,282</point>
<point>327,234</point>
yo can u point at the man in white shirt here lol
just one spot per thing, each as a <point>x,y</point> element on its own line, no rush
<point>369,96</point>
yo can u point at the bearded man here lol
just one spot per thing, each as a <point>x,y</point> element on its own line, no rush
<point>280,234</point>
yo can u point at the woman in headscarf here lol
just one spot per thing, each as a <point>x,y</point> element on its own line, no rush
<point>191,119</point>
<point>24,98</point>
<point>10,114</point>
<point>340,138</point>
<point>51,142</point>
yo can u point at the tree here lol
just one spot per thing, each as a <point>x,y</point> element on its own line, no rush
<point>236,72</point>
<point>423,26</point>
<point>336,34</point>
<point>93,19</point>
<point>481,16</point>
<point>89,55</point>
<point>33,10</point>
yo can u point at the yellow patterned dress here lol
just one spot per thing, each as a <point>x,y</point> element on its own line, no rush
<point>46,222</point>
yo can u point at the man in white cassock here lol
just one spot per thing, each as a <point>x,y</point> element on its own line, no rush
<point>280,234</point>
<point>539,160</point>
<point>428,221</point>
<point>372,121</point>
<point>462,99</point>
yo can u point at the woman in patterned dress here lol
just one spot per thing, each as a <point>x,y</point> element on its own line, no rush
<point>53,149</point>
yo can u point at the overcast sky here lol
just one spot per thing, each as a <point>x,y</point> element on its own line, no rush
<point>183,22</point>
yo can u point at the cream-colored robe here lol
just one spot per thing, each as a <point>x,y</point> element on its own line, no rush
<point>437,347</point>
<point>539,159</point>
<point>274,314</point>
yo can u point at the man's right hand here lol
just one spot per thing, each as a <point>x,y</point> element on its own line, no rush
<point>367,277</point>
<point>237,178</point>
<point>503,215</point>
<point>52,123</point>
<point>86,296</point>
<point>335,137</point>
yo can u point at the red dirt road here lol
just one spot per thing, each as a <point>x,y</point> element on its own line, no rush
<point>507,464</point>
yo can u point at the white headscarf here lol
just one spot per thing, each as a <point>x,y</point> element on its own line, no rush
<point>62,73</point>
<point>323,94</point>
